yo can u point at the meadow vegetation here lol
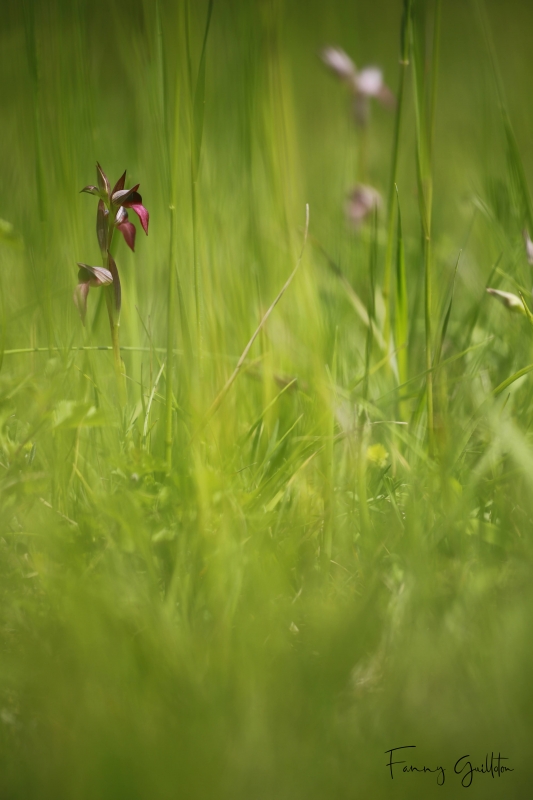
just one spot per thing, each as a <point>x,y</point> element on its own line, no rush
<point>250,577</point>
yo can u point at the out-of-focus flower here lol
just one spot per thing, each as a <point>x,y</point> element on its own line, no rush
<point>509,300</point>
<point>361,201</point>
<point>377,454</point>
<point>369,83</point>
<point>340,63</point>
<point>364,84</point>
<point>529,246</point>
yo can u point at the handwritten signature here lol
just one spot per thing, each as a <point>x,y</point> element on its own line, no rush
<point>464,766</point>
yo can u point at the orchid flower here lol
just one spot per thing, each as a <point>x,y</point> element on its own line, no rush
<point>117,201</point>
<point>364,84</point>
<point>112,204</point>
<point>111,215</point>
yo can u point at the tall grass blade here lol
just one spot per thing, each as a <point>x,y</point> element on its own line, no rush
<point>425,105</point>
<point>196,135</point>
<point>402,304</point>
<point>199,99</point>
<point>514,160</point>
<point>371,311</point>
<point>405,34</point>
<point>446,320</point>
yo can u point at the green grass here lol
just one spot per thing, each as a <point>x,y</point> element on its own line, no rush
<point>252,582</point>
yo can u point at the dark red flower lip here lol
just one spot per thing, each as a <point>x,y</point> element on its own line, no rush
<point>140,210</point>
<point>130,198</point>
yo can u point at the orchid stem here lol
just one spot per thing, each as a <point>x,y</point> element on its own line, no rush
<point>114,325</point>
<point>114,322</point>
<point>391,205</point>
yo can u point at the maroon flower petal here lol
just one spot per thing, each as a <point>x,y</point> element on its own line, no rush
<point>142,213</point>
<point>123,196</point>
<point>80,299</point>
<point>103,183</point>
<point>128,231</point>
<point>102,227</point>
<point>119,185</point>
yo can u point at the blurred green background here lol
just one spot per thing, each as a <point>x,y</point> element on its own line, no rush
<point>307,586</point>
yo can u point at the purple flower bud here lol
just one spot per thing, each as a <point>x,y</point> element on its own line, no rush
<point>103,183</point>
<point>89,277</point>
<point>120,183</point>
<point>102,227</point>
<point>94,276</point>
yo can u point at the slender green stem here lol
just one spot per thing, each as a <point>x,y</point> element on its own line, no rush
<point>363,154</point>
<point>362,443</point>
<point>434,77</point>
<point>429,210</point>
<point>371,303</point>
<point>170,343</point>
<point>169,151</point>
<point>391,207</point>
<point>114,325</point>
<point>425,124</point>
<point>401,304</point>
<point>195,259</point>
<point>114,312</point>
<point>429,357</point>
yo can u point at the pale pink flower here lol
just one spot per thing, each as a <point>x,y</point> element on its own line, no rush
<point>364,84</point>
<point>362,200</point>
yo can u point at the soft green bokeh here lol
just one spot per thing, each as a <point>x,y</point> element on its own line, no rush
<point>186,633</point>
